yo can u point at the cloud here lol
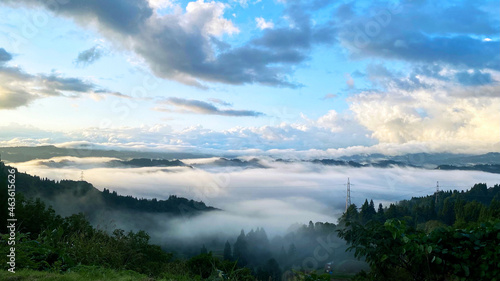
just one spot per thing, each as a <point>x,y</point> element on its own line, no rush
<point>55,84</point>
<point>124,17</point>
<point>472,83</point>
<point>400,116</point>
<point>201,107</point>
<point>18,88</point>
<point>208,18</point>
<point>185,45</point>
<point>161,4</point>
<point>89,56</point>
<point>4,56</point>
<point>423,32</point>
<point>221,102</point>
<point>245,3</point>
<point>474,78</point>
<point>330,96</point>
<point>312,144</point>
<point>349,81</point>
<point>263,24</point>
<point>331,131</point>
<point>301,34</point>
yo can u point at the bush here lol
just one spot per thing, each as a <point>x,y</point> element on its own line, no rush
<point>395,252</point>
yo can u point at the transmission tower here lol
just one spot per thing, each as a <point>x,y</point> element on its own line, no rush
<point>81,176</point>
<point>348,195</point>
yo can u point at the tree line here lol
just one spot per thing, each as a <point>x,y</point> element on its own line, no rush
<point>450,235</point>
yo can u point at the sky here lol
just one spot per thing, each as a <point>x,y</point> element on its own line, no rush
<point>277,77</point>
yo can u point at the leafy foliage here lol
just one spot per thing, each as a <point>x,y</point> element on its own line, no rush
<point>397,252</point>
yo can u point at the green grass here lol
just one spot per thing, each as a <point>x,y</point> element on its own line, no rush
<point>84,273</point>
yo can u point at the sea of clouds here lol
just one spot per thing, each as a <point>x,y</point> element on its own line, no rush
<point>274,196</point>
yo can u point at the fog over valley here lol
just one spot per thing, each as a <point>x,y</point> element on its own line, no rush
<point>254,192</point>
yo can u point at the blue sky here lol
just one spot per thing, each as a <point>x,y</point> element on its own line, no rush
<point>270,77</point>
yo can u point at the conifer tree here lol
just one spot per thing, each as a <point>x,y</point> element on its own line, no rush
<point>240,249</point>
<point>227,251</point>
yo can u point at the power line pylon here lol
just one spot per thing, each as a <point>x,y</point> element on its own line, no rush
<point>348,195</point>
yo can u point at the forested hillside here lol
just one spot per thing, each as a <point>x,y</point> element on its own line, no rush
<point>83,197</point>
<point>70,248</point>
<point>450,235</point>
<point>479,204</point>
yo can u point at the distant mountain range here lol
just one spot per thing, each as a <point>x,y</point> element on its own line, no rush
<point>27,153</point>
<point>425,159</point>
<point>469,163</point>
<point>489,162</point>
<point>145,162</point>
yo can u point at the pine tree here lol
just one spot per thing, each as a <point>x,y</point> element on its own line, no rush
<point>447,214</point>
<point>380,213</point>
<point>367,211</point>
<point>350,215</point>
<point>240,249</point>
<point>371,208</point>
<point>283,257</point>
<point>311,226</point>
<point>227,251</point>
<point>380,209</point>
<point>292,250</point>
<point>203,250</point>
<point>273,270</point>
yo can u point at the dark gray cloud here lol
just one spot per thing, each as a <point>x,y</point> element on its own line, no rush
<point>345,11</point>
<point>475,78</point>
<point>13,98</point>
<point>18,88</point>
<point>424,32</point>
<point>184,47</point>
<point>201,107</point>
<point>464,17</point>
<point>380,76</point>
<point>4,56</point>
<point>123,16</point>
<point>54,84</point>
<point>221,102</point>
<point>302,34</point>
<point>111,93</point>
<point>188,47</point>
<point>377,71</point>
<point>89,56</point>
<point>430,71</point>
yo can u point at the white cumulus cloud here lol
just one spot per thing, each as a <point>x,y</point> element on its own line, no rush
<point>263,24</point>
